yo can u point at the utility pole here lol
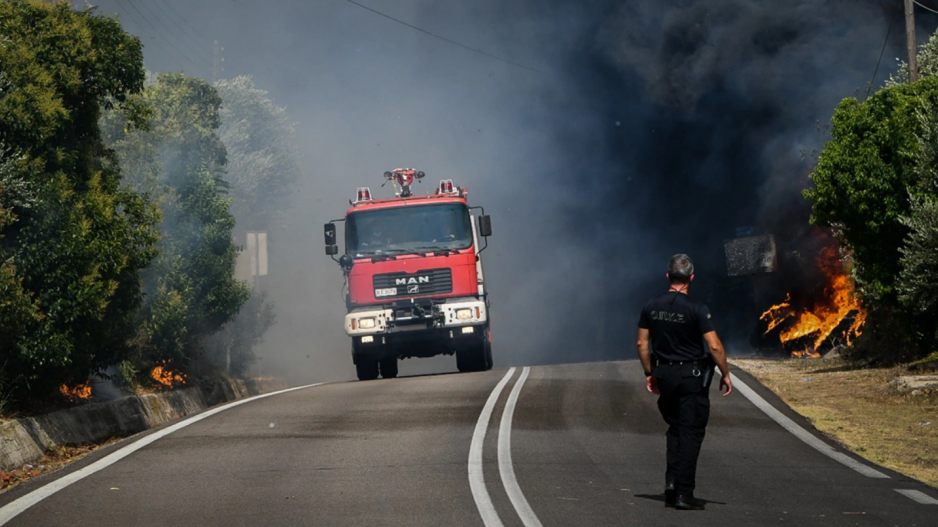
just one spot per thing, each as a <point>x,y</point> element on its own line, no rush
<point>217,61</point>
<point>910,40</point>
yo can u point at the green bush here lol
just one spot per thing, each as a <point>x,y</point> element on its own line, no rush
<point>128,375</point>
<point>191,291</point>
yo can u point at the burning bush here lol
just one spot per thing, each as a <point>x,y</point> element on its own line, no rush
<point>79,392</point>
<point>166,377</point>
<point>834,314</point>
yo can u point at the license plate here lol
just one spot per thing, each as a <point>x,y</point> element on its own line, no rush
<point>391,291</point>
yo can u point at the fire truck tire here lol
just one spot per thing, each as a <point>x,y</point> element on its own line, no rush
<point>472,357</point>
<point>388,367</point>
<point>367,369</point>
<point>488,355</point>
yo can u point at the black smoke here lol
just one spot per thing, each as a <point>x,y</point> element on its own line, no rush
<point>709,116</point>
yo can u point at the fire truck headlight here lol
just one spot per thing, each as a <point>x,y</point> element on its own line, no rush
<point>463,314</point>
<point>366,323</point>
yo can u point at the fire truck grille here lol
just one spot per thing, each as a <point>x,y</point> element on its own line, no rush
<point>420,283</point>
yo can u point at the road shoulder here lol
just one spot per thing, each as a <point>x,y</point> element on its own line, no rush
<point>860,410</point>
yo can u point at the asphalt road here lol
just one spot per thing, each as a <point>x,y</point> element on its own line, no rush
<point>585,442</point>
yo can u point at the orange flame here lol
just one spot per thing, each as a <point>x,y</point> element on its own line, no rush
<point>78,392</point>
<point>838,302</point>
<point>167,377</point>
<point>806,354</point>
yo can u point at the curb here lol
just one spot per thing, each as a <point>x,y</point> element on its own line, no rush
<point>24,441</point>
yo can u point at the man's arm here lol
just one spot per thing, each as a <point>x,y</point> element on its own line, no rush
<point>719,356</point>
<point>644,355</point>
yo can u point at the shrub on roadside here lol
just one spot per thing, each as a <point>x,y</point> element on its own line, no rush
<point>75,238</point>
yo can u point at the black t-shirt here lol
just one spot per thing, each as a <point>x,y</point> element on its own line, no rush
<point>677,324</point>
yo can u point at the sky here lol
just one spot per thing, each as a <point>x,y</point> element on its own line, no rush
<point>603,137</point>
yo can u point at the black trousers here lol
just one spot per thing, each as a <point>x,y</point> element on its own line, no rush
<point>685,405</point>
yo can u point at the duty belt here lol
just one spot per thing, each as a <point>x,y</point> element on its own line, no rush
<point>697,363</point>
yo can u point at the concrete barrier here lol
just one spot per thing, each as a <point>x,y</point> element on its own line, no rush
<point>26,440</point>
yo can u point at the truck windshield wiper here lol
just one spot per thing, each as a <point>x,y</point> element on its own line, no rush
<point>444,251</point>
<point>405,251</point>
<point>376,257</point>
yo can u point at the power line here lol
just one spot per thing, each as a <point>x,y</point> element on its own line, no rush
<point>152,27</point>
<point>171,32</point>
<point>453,42</point>
<point>875,71</point>
<point>924,7</point>
<point>138,24</point>
<point>197,35</point>
<point>182,35</point>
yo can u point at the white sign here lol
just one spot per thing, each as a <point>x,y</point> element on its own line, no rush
<point>252,260</point>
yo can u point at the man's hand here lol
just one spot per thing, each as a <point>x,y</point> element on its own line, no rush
<point>652,384</point>
<point>719,356</point>
<point>726,384</point>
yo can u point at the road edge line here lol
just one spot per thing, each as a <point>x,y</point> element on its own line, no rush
<point>21,504</point>
<point>802,434</point>
<point>505,468</point>
<point>917,496</point>
<point>476,480</point>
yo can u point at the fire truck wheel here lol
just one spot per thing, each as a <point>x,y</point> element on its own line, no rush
<point>488,355</point>
<point>367,369</point>
<point>472,357</point>
<point>388,367</point>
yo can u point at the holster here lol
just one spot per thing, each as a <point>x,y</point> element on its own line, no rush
<point>709,369</point>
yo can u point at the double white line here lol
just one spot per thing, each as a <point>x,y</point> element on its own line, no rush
<point>505,469</point>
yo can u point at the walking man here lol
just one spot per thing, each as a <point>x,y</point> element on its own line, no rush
<point>678,368</point>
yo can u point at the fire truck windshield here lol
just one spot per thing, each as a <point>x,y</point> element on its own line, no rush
<point>408,230</point>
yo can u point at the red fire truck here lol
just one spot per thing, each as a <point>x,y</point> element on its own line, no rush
<point>414,285</point>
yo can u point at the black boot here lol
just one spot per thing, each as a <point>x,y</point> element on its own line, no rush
<point>688,503</point>
<point>670,495</point>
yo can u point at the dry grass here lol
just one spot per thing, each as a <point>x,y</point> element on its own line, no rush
<point>55,459</point>
<point>861,409</point>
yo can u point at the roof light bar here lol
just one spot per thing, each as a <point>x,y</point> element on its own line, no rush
<point>446,187</point>
<point>363,194</point>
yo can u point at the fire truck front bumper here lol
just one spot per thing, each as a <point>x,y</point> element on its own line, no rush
<point>418,320</point>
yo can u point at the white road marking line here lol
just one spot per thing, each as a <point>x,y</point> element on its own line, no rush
<point>917,496</point>
<point>505,468</point>
<point>803,434</point>
<point>14,508</point>
<point>476,481</point>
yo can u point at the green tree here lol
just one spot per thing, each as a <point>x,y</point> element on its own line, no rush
<point>179,160</point>
<point>263,166</point>
<point>75,238</point>
<point>864,177</point>
<point>918,281</point>
<point>18,310</point>
<point>262,162</point>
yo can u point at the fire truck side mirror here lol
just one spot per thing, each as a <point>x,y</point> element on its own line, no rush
<point>331,248</point>
<point>485,226</point>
